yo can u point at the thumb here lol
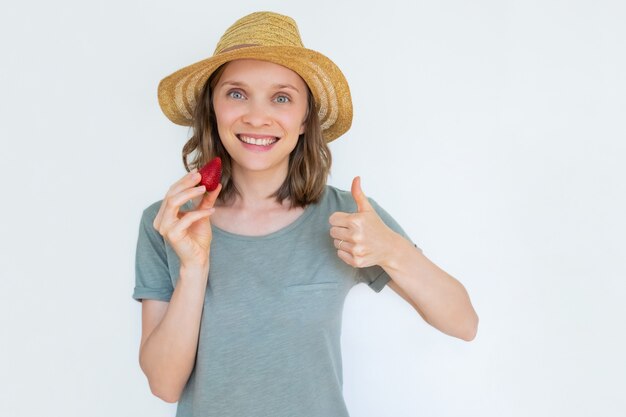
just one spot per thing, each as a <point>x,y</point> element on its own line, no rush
<point>362,203</point>
<point>209,198</point>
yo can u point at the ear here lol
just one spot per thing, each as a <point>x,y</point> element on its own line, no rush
<point>306,118</point>
<point>303,125</point>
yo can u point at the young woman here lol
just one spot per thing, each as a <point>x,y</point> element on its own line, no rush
<point>243,287</point>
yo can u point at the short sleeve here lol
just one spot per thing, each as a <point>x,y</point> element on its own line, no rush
<point>375,276</point>
<point>152,277</point>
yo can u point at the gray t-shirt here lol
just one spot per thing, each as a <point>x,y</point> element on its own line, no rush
<point>269,342</point>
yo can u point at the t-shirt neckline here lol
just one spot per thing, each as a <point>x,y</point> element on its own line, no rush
<point>273,235</point>
<point>278,233</point>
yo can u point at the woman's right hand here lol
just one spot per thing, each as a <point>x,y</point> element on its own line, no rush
<point>187,232</point>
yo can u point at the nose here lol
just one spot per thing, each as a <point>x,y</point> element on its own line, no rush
<point>257,114</point>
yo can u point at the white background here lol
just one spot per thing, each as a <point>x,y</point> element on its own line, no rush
<point>493,131</point>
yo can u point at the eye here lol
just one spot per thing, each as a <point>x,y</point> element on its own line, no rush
<point>283,99</point>
<point>237,95</point>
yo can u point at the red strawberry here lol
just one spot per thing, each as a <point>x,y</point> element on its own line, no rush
<point>211,173</point>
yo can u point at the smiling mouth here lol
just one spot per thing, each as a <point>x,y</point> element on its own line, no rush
<point>258,142</point>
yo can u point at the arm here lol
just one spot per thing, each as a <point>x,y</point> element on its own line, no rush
<point>170,332</point>
<point>392,284</point>
<point>362,239</point>
<point>441,300</point>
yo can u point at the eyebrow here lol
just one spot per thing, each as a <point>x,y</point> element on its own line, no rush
<point>241,84</point>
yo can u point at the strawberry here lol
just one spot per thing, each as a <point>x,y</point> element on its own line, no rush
<point>211,173</point>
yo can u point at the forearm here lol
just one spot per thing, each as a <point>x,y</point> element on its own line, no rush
<point>442,299</point>
<point>168,355</point>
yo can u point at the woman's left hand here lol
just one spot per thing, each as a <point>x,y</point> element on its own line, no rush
<point>362,239</point>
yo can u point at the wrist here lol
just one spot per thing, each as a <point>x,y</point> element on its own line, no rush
<point>194,270</point>
<point>397,248</point>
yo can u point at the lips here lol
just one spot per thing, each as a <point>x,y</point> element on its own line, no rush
<point>258,140</point>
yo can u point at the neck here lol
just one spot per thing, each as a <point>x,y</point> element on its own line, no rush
<point>255,188</point>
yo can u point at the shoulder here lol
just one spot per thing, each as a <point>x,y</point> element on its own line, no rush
<point>337,199</point>
<point>151,210</point>
<point>342,200</point>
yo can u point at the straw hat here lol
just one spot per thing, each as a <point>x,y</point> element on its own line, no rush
<point>269,37</point>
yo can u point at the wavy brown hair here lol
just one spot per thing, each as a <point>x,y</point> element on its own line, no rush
<point>309,162</point>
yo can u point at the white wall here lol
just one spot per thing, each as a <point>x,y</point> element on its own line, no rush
<point>493,131</point>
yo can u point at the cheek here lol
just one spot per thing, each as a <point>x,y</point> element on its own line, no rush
<point>294,120</point>
<point>224,114</point>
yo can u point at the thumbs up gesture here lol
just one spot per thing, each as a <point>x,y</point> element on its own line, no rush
<point>362,239</point>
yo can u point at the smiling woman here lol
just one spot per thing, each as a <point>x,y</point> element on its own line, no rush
<point>243,287</point>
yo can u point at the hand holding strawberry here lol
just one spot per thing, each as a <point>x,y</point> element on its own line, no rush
<point>188,233</point>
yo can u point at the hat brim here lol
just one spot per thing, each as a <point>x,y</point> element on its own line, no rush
<point>178,92</point>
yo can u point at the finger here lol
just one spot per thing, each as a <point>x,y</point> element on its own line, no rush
<point>346,257</point>
<point>343,245</point>
<point>361,200</point>
<point>171,205</point>
<point>339,218</point>
<point>189,180</point>
<point>179,229</point>
<point>341,233</point>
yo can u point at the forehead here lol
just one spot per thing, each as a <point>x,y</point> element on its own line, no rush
<point>260,72</point>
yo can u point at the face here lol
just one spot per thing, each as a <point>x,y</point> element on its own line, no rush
<point>260,109</point>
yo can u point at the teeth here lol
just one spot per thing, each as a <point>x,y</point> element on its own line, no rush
<point>258,142</point>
